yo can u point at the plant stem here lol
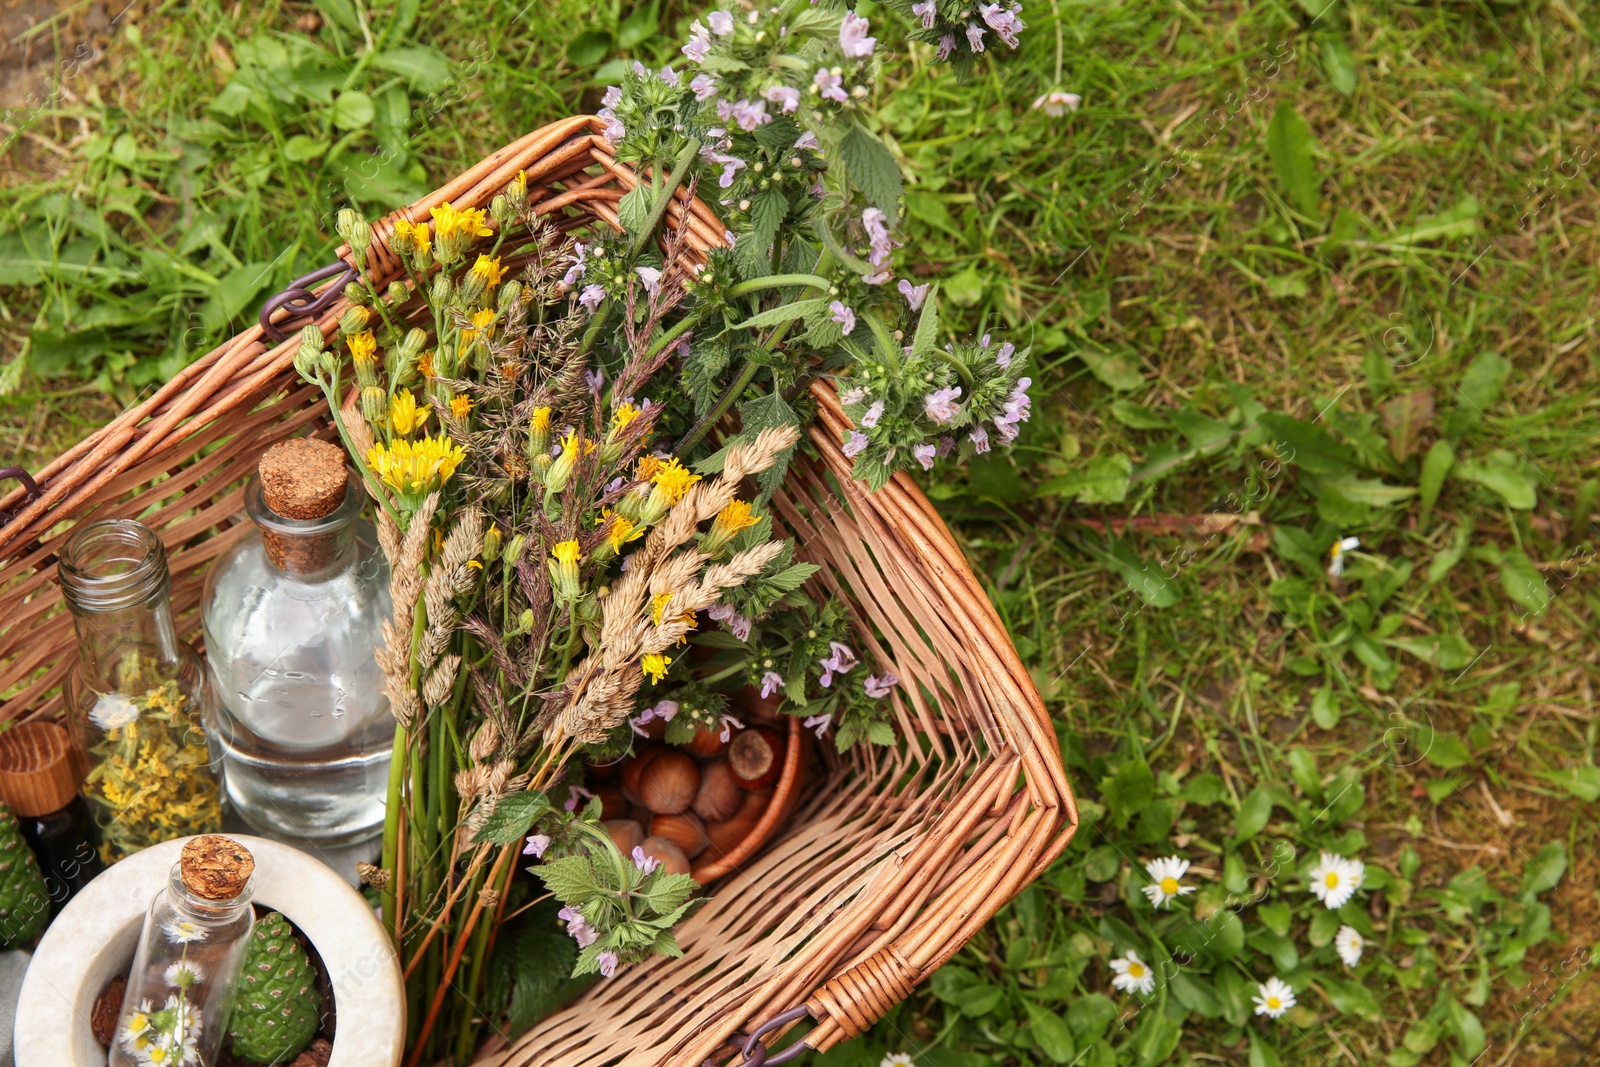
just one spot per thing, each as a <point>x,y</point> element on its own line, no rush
<point>664,197</point>
<point>779,281</point>
<point>701,428</point>
<point>391,832</point>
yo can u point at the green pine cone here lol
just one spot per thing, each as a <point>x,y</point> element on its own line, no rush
<point>24,900</point>
<point>276,1008</point>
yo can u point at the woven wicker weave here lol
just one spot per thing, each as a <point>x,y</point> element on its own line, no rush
<point>892,860</point>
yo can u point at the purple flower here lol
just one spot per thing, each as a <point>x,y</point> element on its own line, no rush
<point>870,418</point>
<point>739,626</point>
<point>818,190</point>
<point>647,864</point>
<point>670,76</point>
<point>665,710</point>
<point>612,98</point>
<point>980,440</point>
<point>536,845</point>
<point>729,724</point>
<point>1018,407</point>
<point>731,165</point>
<point>975,34</point>
<point>699,45</point>
<point>651,278</point>
<point>842,660</point>
<point>940,405</point>
<point>637,723</point>
<point>724,109</point>
<point>591,296</point>
<point>947,44</point>
<point>914,294</point>
<point>820,723</point>
<point>1003,22</point>
<point>579,265</point>
<point>947,445</point>
<point>704,86</point>
<point>784,95</point>
<point>876,223</point>
<point>843,315</point>
<point>750,114</point>
<point>853,39</point>
<point>615,131</point>
<point>616,483</point>
<point>607,962</point>
<point>771,682</point>
<point>878,688</point>
<point>578,927</point>
<point>808,140</point>
<point>594,379</point>
<point>853,395</point>
<point>576,793</point>
<point>924,455</point>
<point>855,443</point>
<point>1003,357</point>
<point>721,23</point>
<point>831,86</point>
<point>927,10</point>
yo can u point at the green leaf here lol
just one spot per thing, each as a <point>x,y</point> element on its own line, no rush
<point>1309,447</point>
<point>1227,939</point>
<point>979,1000</point>
<point>1460,220</point>
<point>873,170</point>
<point>1435,465</point>
<point>1582,782</point>
<point>529,968</point>
<point>1303,766</point>
<point>1196,996</point>
<point>1505,475</point>
<point>1324,927</point>
<point>1131,788</point>
<point>234,292</point>
<point>927,335</point>
<point>638,27</point>
<point>1051,1032</point>
<point>1325,707</point>
<point>1289,144</point>
<point>782,313</point>
<point>1204,789</point>
<point>633,210</point>
<point>1522,581</point>
<point>1137,416</point>
<point>1089,1015</point>
<point>1263,1054</point>
<point>300,148</point>
<point>1543,872</point>
<point>352,110</point>
<point>965,287</point>
<point>511,818</point>
<point>1440,788</point>
<point>1103,480</point>
<point>1449,651</point>
<point>1116,367</point>
<point>1253,814</point>
<point>1146,580</point>
<point>570,878</point>
<point>1444,750</point>
<point>1102,863</point>
<point>1480,388</point>
<point>1276,917</point>
<point>1337,62</point>
<point>589,48</point>
<point>425,69</point>
<point>1202,431</point>
<point>1351,998</point>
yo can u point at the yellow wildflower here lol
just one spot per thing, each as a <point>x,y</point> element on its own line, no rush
<point>488,270</point>
<point>655,665</point>
<point>648,465</point>
<point>567,552</point>
<point>541,419</point>
<point>674,480</point>
<point>564,557</point>
<point>469,222</point>
<point>622,529</point>
<point>539,432</point>
<point>658,604</point>
<point>425,364</point>
<point>405,415</point>
<point>363,345</point>
<point>414,468</point>
<point>626,412</point>
<point>413,235</point>
<point>482,323</point>
<point>729,521</point>
<point>460,406</point>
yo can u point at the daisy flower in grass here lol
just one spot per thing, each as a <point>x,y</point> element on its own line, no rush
<point>1167,874</point>
<point>1336,554</point>
<point>1133,975</point>
<point>897,1059</point>
<point>1273,998</point>
<point>1348,942</point>
<point>1335,879</point>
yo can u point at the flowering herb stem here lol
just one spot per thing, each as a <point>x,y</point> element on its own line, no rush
<point>779,281</point>
<point>724,402</point>
<point>664,196</point>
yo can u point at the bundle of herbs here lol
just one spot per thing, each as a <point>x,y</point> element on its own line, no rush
<point>546,425</point>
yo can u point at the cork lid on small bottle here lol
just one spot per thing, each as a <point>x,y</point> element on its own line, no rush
<point>215,867</point>
<point>37,772</point>
<point>303,478</point>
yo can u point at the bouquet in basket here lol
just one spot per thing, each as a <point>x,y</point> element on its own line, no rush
<point>573,444</point>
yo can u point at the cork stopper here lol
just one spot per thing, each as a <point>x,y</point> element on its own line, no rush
<point>215,867</point>
<point>37,775</point>
<point>303,478</point>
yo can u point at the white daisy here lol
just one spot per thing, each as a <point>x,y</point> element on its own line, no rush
<point>112,711</point>
<point>1057,103</point>
<point>1166,874</point>
<point>897,1059</point>
<point>1275,998</point>
<point>1335,879</point>
<point>182,931</point>
<point>1336,556</point>
<point>183,974</point>
<point>1348,943</point>
<point>1133,974</point>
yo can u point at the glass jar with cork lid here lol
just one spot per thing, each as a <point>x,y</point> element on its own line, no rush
<point>292,615</point>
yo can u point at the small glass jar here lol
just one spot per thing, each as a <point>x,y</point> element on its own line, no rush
<point>293,614</point>
<point>180,990</point>
<point>138,699</point>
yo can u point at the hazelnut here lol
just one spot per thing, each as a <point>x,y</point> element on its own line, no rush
<point>668,852</point>
<point>603,772</point>
<point>706,743</point>
<point>626,833</point>
<point>756,757</point>
<point>686,830</point>
<point>612,804</point>
<point>632,769</point>
<point>668,784</point>
<point>720,796</point>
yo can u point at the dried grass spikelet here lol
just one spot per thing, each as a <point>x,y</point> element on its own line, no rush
<point>601,688</point>
<point>405,556</point>
<point>441,680</point>
<point>451,576</point>
<point>373,875</point>
<point>485,741</point>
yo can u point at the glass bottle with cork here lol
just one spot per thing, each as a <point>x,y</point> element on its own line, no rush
<point>181,988</point>
<point>39,783</point>
<point>138,698</point>
<point>292,616</point>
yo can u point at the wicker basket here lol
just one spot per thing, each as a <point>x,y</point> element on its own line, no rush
<point>892,859</point>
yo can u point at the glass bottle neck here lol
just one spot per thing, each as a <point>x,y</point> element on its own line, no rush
<point>114,579</point>
<point>308,550</point>
<point>206,912</point>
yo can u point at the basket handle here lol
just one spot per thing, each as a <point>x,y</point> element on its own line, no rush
<point>852,1002</point>
<point>30,488</point>
<point>302,302</point>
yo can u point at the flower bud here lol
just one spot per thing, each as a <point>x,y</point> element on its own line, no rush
<point>563,564</point>
<point>353,321</point>
<point>560,472</point>
<point>440,294</point>
<point>374,404</point>
<point>514,547</point>
<point>501,211</point>
<point>397,293</point>
<point>509,294</point>
<point>539,432</point>
<point>491,544</point>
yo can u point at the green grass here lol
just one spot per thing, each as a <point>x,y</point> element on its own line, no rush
<point>1273,265</point>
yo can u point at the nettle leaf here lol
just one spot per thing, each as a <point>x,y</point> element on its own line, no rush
<point>757,415</point>
<point>633,210</point>
<point>511,818</point>
<point>927,334</point>
<point>872,169</point>
<point>570,878</point>
<point>788,312</point>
